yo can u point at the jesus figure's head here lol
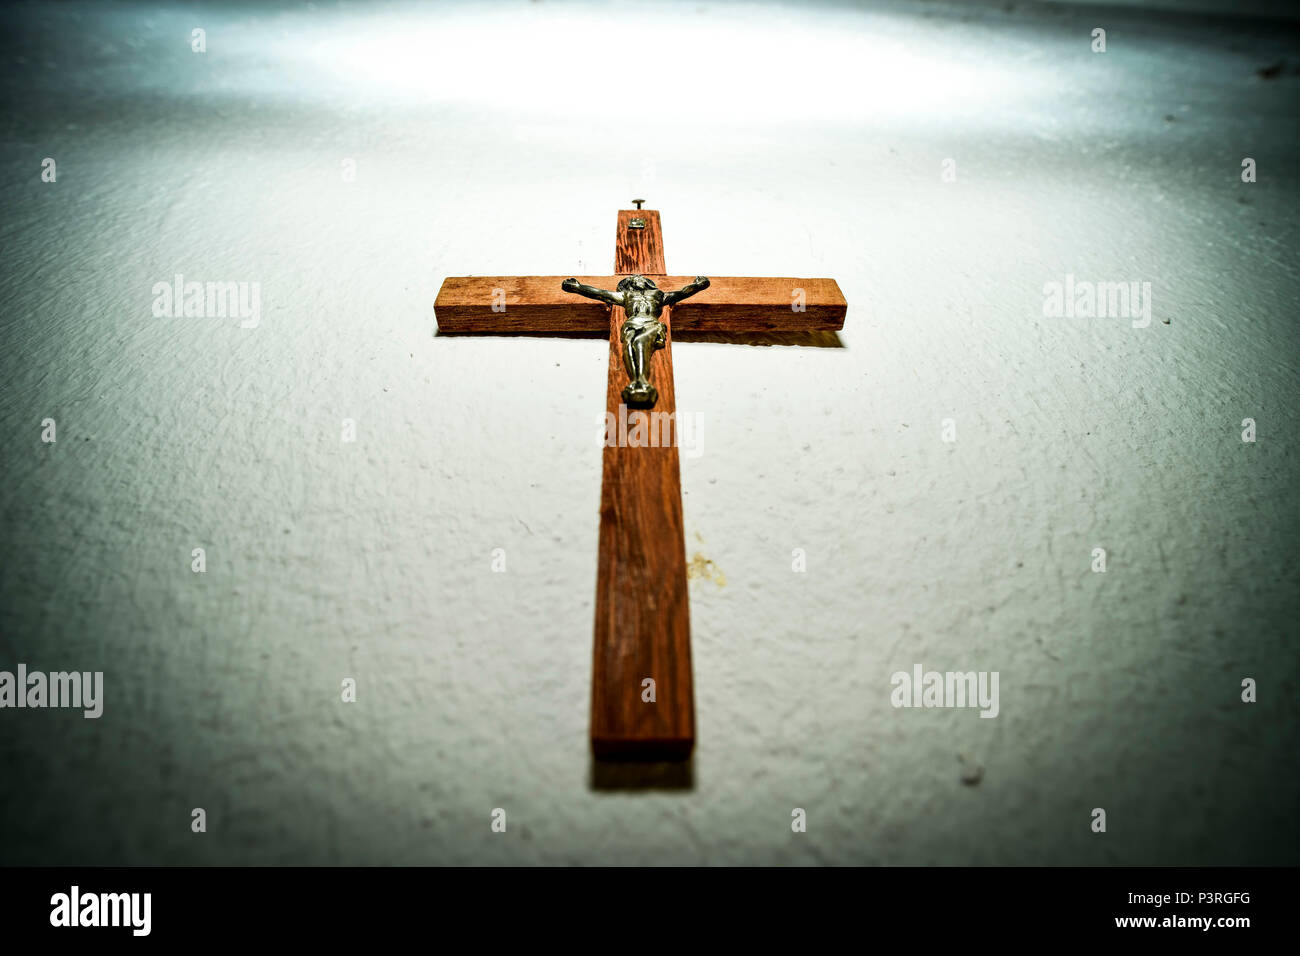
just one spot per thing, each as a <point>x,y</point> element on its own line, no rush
<point>636,284</point>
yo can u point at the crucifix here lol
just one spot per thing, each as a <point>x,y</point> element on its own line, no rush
<point>642,698</point>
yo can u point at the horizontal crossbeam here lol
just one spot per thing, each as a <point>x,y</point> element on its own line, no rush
<point>500,305</point>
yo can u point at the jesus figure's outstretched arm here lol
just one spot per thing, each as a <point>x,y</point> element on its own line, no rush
<point>699,285</point>
<point>591,292</point>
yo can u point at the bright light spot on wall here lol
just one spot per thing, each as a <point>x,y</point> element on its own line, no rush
<point>666,65</point>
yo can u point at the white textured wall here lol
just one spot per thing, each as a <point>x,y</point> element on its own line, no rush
<point>775,142</point>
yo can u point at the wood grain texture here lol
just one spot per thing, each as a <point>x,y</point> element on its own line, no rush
<point>730,304</point>
<point>639,251</point>
<point>642,618</point>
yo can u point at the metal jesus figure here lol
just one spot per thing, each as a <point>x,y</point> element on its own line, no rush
<point>643,303</point>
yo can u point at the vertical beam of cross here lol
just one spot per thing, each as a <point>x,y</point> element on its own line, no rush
<point>642,620</point>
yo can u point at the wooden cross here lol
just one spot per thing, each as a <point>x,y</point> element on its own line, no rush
<point>642,622</point>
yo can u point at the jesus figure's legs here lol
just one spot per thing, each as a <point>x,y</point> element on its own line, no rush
<point>639,342</point>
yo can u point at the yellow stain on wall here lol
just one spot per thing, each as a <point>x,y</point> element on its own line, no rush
<point>702,567</point>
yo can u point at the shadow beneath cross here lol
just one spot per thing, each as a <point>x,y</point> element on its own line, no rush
<point>516,334</point>
<point>631,775</point>
<point>805,339</point>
